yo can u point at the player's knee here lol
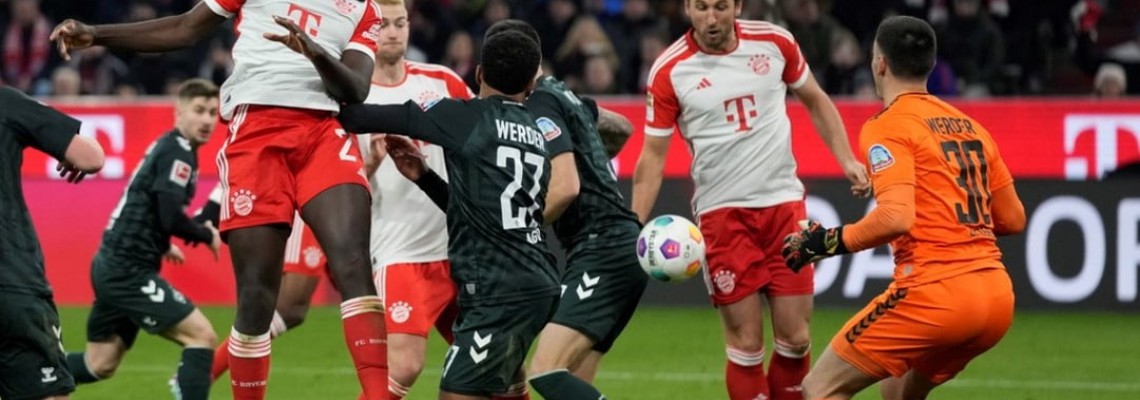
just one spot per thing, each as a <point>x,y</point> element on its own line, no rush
<point>405,370</point>
<point>293,315</point>
<point>103,368</point>
<point>200,336</point>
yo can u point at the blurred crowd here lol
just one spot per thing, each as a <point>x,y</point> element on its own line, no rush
<point>986,47</point>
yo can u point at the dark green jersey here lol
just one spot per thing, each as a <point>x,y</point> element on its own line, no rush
<point>134,234</point>
<point>24,123</point>
<point>571,125</point>
<point>498,172</point>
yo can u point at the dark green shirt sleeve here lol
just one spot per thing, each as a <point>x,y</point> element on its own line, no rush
<point>446,123</point>
<point>591,105</point>
<point>37,125</point>
<point>547,111</point>
<point>173,171</point>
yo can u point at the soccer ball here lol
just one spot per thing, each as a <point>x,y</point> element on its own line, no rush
<point>671,249</point>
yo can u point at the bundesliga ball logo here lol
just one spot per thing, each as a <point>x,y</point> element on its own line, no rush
<point>671,249</point>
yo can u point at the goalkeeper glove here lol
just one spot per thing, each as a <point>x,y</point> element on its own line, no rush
<point>812,243</point>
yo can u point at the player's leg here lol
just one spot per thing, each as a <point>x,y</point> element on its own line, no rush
<point>983,315</point>
<point>833,378</point>
<point>416,296</point>
<point>257,254</point>
<point>110,330</point>
<point>735,275</point>
<point>196,336</point>
<point>333,193</point>
<point>559,348</point>
<point>32,361</point>
<point>304,265</point>
<point>790,300</point>
<point>587,370</point>
<point>791,317</point>
<point>491,343</point>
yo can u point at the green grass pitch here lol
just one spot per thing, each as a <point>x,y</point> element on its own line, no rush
<point>675,353</point>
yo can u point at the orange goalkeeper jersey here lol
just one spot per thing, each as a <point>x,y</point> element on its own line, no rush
<point>954,165</point>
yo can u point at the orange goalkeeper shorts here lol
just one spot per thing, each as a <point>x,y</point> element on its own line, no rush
<point>934,329</point>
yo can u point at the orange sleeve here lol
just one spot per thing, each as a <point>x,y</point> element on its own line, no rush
<point>1007,211</point>
<point>890,159</point>
<point>893,216</point>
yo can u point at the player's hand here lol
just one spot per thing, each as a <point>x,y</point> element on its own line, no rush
<point>72,35</point>
<point>66,170</point>
<point>215,240</point>
<point>296,39</point>
<point>856,173</point>
<point>812,243</point>
<point>174,255</point>
<point>408,158</point>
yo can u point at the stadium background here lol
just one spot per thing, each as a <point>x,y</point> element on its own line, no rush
<point>1039,74</point>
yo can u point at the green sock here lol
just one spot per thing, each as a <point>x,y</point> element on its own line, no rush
<point>194,373</point>
<point>77,364</point>
<point>560,385</point>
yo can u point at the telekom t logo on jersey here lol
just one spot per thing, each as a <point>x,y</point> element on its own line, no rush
<point>308,21</point>
<point>741,110</point>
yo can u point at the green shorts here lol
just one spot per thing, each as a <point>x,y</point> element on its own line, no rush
<point>491,344</point>
<point>127,299</point>
<point>601,287</point>
<point>33,364</point>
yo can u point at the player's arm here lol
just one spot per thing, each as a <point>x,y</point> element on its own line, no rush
<point>613,128</point>
<point>564,180</point>
<point>445,123</point>
<point>156,35</point>
<point>825,117</point>
<point>661,111</point>
<point>212,210</point>
<point>1005,207</point>
<point>409,160</point>
<point>172,175</point>
<point>892,176</point>
<point>52,132</point>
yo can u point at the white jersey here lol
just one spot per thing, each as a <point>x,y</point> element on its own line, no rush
<point>730,109</point>
<point>268,72</point>
<point>407,227</point>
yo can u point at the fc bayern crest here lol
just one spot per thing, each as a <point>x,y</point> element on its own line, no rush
<point>345,7</point>
<point>760,64</point>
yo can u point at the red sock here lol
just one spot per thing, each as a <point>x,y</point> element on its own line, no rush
<point>787,372</point>
<point>249,365</point>
<point>744,375</point>
<point>221,360</point>
<point>363,320</point>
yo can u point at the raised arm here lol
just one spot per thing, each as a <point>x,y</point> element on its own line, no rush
<point>615,129</point>
<point>156,35</point>
<point>346,79</point>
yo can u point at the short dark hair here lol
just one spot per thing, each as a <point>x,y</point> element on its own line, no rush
<point>513,25</point>
<point>909,46</point>
<point>197,87</point>
<point>509,62</point>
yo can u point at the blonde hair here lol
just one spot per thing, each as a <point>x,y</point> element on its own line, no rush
<point>390,3</point>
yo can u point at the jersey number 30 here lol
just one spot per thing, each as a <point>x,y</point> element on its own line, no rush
<point>510,157</point>
<point>973,177</point>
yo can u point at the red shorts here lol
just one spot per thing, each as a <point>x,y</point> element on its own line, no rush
<point>276,159</point>
<point>744,252</point>
<point>417,296</point>
<point>303,255</point>
<point>934,329</point>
